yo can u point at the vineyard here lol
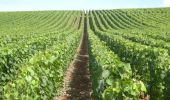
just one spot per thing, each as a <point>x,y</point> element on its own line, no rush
<point>121,54</point>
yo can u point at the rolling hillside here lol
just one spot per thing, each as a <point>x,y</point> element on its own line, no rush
<point>123,53</point>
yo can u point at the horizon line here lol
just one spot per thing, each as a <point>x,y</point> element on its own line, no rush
<point>80,9</point>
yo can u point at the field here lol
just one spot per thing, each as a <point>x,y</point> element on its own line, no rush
<point>121,54</point>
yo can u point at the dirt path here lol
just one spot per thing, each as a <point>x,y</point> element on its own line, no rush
<point>77,84</point>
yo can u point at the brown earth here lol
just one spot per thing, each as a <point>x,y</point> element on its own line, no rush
<point>77,83</point>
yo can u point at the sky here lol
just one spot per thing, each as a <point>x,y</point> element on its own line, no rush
<point>29,5</point>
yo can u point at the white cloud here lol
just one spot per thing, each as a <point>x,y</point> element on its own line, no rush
<point>166,3</point>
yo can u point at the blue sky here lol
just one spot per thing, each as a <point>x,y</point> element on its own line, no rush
<point>26,5</point>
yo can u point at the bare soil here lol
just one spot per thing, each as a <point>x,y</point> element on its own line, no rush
<point>77,83</point>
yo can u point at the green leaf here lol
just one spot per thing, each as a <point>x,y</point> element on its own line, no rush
<point>33,82</point>
<point>31,61</point>
<point>31,71</point>
<point>117,90</point>
<point>105,74</point>
<point>109,81</point>
<point>3,78</point>
<point>28,78</point>
<point>13,85</point>
<point>143,88</point>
